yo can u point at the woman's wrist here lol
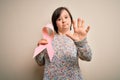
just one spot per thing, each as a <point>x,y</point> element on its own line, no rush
<point>79,40</point>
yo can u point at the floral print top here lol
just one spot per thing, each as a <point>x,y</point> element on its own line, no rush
<point>64,64</point>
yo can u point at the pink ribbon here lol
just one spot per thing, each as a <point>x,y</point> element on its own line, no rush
<point>49,38</point>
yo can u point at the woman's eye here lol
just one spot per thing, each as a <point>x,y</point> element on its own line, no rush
<point>59,19</point>
<point>66,17</point>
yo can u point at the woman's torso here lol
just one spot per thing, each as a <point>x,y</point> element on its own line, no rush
<point>64,65</point>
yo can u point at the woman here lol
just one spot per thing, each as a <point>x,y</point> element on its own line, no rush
<point>67,47</point>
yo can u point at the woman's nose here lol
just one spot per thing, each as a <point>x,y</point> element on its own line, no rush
<point>63,21</point>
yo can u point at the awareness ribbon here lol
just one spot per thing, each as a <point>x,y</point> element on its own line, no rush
<point>48,46</point>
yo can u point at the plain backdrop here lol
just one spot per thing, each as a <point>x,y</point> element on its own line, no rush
<point>21,22</point>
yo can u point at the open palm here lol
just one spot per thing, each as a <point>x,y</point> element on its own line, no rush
<point>79,31</point>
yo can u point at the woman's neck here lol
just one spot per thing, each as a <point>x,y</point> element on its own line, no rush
<point>63,32</point>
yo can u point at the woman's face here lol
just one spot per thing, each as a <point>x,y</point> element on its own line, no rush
<point>63,22</point>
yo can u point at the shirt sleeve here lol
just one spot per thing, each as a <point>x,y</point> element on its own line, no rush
<point>83,50</point>
<point>40,58</point>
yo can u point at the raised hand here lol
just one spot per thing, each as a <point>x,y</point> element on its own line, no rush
<point>80,32</point>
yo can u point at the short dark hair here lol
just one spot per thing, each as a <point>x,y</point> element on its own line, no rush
<point>56,14</point>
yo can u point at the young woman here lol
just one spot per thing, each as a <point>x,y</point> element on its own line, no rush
<point>68,47</point>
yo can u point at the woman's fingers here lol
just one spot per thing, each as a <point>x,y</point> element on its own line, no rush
<point>42,42</point>
<point>88,28</point>
<point>80,23</point>
<point>74,25</point>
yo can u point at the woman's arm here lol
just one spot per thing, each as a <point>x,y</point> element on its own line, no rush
<point>83,50</point>
<point>40,58</point>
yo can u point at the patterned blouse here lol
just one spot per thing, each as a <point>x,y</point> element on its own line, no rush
<point>64,64</point>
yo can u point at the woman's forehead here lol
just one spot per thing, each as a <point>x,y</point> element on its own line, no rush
<point>64,13</point>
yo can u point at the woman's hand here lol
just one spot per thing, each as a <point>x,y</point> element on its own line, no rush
<point>42,42</point>
<point>79,31</point>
